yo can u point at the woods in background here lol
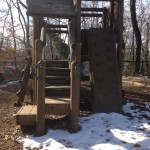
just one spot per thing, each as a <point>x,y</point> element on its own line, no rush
<point>15,30</point>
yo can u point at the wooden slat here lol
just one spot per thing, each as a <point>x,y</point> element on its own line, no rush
<point>58,87</point>
<point>58,68</point>
<point>57,63</point>
<point>57,100</point>
<point>57,71</point>
<point>51,8</point>
<point>56,26</point>
<point>91,15</point>
<point>56,31</point>
<point>57,90</point>
<point>92,9</point>
<point>58,77</point>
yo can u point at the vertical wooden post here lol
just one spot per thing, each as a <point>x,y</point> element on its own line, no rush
<point>71,29</point>
<point>78,21</point>
<point>40,118</point>
<point>37,21</point>
<point>120,37</point>
<point>75,71</point>
<point>75,93</point>
<point>104,17</point>
<point>112,15</point>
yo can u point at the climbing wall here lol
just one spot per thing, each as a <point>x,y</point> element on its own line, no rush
<point>104,77</point>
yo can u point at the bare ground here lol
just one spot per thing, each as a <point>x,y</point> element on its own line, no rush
<point>9,131</point>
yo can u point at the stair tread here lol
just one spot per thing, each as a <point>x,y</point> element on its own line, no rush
<point>58,87</point>
<point>56,60</point>
<point>57,68</point>
<point>58,77</point>
<point>57,100</point>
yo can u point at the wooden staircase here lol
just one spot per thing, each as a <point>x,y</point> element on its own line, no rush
<point>57,93</point>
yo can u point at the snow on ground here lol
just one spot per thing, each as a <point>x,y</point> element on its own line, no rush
<point>101,131</point>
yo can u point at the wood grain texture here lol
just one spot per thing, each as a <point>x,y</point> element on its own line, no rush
<point>51,8</point>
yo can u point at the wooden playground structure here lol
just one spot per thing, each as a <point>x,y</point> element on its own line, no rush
<point>56,83</point>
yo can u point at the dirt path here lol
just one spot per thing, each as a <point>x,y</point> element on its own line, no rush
<point>9,132</point>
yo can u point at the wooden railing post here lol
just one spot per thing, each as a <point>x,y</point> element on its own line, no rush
<point>40,119</point>
<point>37,23</point>
<point>75,96</point>
<point>38,54</point>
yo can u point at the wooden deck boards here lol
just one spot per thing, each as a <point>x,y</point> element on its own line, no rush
<point>26,115</point>
<point>53,105</point>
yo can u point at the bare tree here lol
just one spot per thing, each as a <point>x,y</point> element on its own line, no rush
<point>13,28</point>
<point>137,36</point>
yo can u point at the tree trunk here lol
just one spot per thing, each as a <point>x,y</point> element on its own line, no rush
<point>137,36</point>
<point>146,47</point>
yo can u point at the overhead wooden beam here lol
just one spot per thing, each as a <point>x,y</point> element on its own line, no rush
<point>91,15</point>
<point>92,9</point>
<point>56,26</point>
<point>57,31</point>
<point>51,8</point>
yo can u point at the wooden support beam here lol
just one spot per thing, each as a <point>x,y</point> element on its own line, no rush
<point>40,118</point>
<point>112,15</point>
<point>92,9</point>
<point>104,17</point>
<point>56,26</point>
<point>75,96</point>
<point>91,15</point>
<point>57,31</point>
<point>37,23</point>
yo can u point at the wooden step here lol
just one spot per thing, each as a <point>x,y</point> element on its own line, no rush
<point>53,105</point>
<point>26,115</point>
<point>57,91</point>
<point>93,9</point>
<point>57,71</point>
<point>57,63</point>
<point>58,80</point>
<point>57,105</point>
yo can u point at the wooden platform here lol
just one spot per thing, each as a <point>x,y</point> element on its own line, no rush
<point>53,105</point>
<point>26,115</point>
<point>51,8</point>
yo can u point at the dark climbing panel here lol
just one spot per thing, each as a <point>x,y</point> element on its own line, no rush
<point>105,82</point>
